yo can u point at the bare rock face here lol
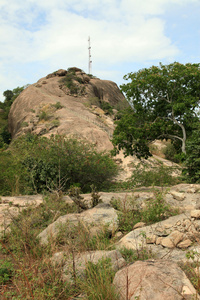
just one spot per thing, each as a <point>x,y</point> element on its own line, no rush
<point>154,280</point>
<point>68,103</point>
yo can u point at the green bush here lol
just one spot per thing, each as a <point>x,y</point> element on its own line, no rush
<point>170,153</point>
<point>58,105</point>
<point>191,171</point>
<point>6,271</point>
<point>70,82</point>
<point>146,175</point>
<point>12,174</point>
<point>39,163</point>
<point>130,213</point>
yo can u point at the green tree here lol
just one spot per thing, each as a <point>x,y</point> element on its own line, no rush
<point>10,96</point>
<point>192,162</point>
<point>165,101</point>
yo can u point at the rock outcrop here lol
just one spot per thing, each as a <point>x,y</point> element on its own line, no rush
<point>102,214</point>
<point>170,243</point>
<point>155,280</point>
<point>79,262</point>
<point>69,103</point>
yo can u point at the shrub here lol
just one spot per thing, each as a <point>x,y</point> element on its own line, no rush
<point>170,152</point>
<point>191,171</point>
<point>43,116</point>
<point>55,163</point>
<point>57,105</point>
<point>131,255</point>
<point>72,82</point>
<point>6,271</point>
<point>146,175</point>
<point>106,107</point>
<point>130,213</point>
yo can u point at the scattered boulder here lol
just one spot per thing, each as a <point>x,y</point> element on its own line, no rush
<point>155,280</point>
<point>78,263</point>
<point>11,206</point>
<point>167,238</point>
<point>102,214</point>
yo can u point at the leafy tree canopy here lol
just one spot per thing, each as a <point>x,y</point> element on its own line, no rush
<point>10,96</point>
<point>165,103</point>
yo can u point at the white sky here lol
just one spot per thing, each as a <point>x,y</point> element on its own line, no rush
<point>39,37</point>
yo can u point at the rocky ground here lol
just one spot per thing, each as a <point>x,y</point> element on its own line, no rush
<point>168,241</point>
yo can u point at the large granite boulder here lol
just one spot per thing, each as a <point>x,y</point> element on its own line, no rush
<point>155,280</point>
<point>50,107</point>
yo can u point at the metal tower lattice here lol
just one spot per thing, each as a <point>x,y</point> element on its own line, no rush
<point>90,61</point>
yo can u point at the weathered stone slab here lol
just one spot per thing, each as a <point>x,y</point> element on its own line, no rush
<point>102,214</point>
<point>155,280</point>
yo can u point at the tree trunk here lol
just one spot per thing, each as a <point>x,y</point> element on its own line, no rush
<point>183,139</point>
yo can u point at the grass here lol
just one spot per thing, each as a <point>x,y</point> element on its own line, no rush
<point>130,212</point>
<point>27,271</point>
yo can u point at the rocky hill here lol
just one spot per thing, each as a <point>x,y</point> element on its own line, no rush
<point>70,103</point>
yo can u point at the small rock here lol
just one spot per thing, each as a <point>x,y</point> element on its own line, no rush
<point>186,223</point>
<point>119,235</point>
<point>185,244</point>
<point>167,226</point>
<point>158,240</point>
<point>151,239</point>
<point>195,213</point>
<point>172,240</point>
<point>177,196</point>
<point>139,225</point>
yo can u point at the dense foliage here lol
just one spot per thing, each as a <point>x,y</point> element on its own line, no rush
<point>165,101</point>
<point>34,164</point>
<point>192,163</point>
<point>5,106</point>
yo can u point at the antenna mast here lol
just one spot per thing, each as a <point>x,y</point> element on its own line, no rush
<point>90,61</point>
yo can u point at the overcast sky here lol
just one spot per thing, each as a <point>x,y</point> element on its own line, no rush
<point>39,37</point>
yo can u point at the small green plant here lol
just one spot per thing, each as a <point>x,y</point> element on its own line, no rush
<point>131,255</point>
<point>192,269</point>
<point>57,105</point>
<point>98,282</point>
<point>95,196</point>
<point>6,271</point>
<point>54,123</point>
<point>129,212</point>
<point>93,101</point>
<point>43,116</point>
<point>24,124</point>
<point>156,209</point>
<point>74,192</point>
<point>78,238</point>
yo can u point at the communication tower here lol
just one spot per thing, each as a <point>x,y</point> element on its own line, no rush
<point>90,61</point>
